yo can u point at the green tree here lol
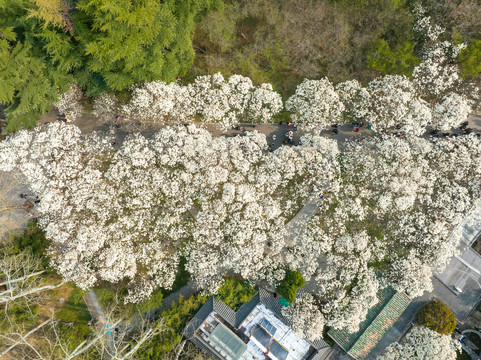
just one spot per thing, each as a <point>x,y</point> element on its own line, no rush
<point>470,60</point>
<point>288,287</point>
<point>400,61</point>
<point>438,317</point>
<point>33,65</point>
<point>235,292</point>
<point>51,12</point>
<point>32,240</point>
<point>174,319</point>
<point>130,41</point>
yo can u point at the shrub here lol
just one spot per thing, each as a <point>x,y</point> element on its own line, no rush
<point>400,62</point>
<point>470,60</point>
<point>153,302</point>
<point>437,317</point>
<point>175,319</point>
<point>292,282</point>
<point>32,240</point>
<point>235,292</point>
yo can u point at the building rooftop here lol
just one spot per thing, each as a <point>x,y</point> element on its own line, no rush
<point>284,342</point>
<point>257,331</point>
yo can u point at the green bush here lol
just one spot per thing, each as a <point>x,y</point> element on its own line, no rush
<point>438,317</point>
<point>288,287</point>
<point>32,240</point>
<point>153,302</point>
<point>174,319</point>
<point>400,61</point>
<point>235,292</point>
<point>470,60</point>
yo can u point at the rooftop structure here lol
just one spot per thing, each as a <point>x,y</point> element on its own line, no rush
<point>378,320</point>
<point>257,331</point>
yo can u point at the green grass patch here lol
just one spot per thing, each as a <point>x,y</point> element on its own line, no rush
<point>74,316</point>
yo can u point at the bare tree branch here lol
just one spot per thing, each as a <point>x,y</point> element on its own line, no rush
<point>22,337</point>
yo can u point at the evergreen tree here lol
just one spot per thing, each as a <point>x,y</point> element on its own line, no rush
<point>438,317</point>
<point>127,41</point>
<point>35,59</point>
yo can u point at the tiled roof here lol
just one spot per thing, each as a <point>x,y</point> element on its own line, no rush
<point>224,310</point>
<point>378,320</point>
<point>198,318</point>
<point>205,348</point>
<point>210,305</point>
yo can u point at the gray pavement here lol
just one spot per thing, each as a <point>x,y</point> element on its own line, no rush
<point>96,311</point>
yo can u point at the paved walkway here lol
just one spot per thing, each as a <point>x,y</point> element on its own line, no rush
<point>95,309</point>
<point>96,312</point>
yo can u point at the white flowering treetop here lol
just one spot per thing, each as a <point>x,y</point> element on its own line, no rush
<point>305,317</point>
<point>70,103</point>
<point>133,213</point>
<point>222,204</point>
<point>436,73</point>
<point>395,102</point>
<point>433,97</point>
<point>209,98</point>
<point>316,103</point>
<point>390,221</point>
<point>422,343</point>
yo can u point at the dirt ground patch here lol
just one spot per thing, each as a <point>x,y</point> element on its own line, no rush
<point>13,217</point>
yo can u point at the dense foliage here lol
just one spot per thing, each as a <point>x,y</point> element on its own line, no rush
<point>33,241</point>
<point>235,292</point>
<point>288,287</point>
<point>438,317</point>
<point>101,45</point>
<point>282,42</point>
<point>175,319</point>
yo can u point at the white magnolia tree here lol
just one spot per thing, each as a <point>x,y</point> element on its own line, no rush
<point>394,102</point>
<point>433,97</point>
<point>451,111</point>
<point>106,106</point>
<point>391,220</point>
<point>70,103</point>
<point>133,213</point>
<point>209,98</point>
<point>315,103</point>
<point>422,343</point>
<point>305,317</point>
